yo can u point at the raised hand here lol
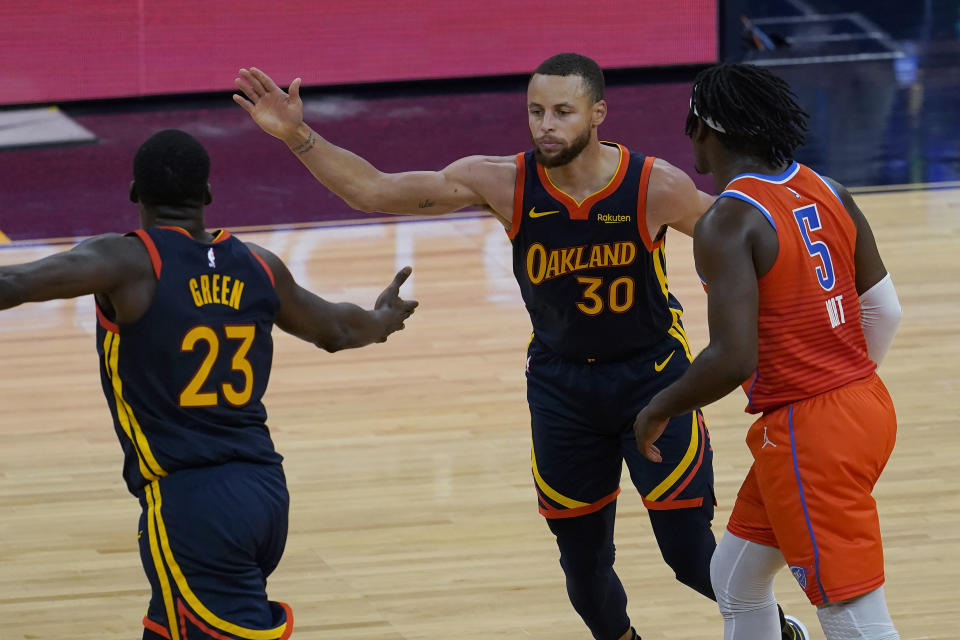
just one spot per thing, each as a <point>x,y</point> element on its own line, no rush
<point>275,111</point>
<point>395,309</point>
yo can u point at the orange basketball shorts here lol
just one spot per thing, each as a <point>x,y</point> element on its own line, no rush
<point>809,489</point>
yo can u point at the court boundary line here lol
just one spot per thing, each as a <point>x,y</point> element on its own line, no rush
<point>901,188</point>
<point>470,214</point>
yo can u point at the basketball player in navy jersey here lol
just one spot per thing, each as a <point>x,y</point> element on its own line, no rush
<point>587,220</point>
<point>185,317</point>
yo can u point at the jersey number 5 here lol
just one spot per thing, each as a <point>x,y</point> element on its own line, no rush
<point>193,395</point>
<point>808,219</point>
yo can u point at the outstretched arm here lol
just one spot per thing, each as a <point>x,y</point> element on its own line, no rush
<point>102,264</point>
<point>335,326</point>
<point>479,181</point>
<point>723,247</point>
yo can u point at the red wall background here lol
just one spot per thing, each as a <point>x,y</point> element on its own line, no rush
<point>57,50</point>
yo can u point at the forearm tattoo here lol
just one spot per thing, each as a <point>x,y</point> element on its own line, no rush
<point>426,204</point>
<point>305,146</point>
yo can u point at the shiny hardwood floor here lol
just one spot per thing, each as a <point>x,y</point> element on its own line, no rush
<point>413,514</point>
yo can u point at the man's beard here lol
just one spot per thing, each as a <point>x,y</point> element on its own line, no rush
<point>566,155</point>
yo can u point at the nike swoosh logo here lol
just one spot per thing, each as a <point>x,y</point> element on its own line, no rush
<point>539,214</point>
<point>658,366</point>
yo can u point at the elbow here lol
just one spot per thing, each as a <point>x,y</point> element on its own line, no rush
<point>336,341</point>
<point>894,315</point>
<point>737,365</point>
<point>11,291</point>
<point>332,345</point>
<point>363,196</point>
<point>361,202</point>
<point>743,370</point>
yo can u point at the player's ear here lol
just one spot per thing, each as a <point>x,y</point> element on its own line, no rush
<point>599,113</point>
<point>207,195</point>
<point>133,192</point>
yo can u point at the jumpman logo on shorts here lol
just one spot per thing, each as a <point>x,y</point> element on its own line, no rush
<point>766,440</point>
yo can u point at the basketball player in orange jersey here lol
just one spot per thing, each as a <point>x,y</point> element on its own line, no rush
<point>801,311</point>
<point>587,221</point>
<point>184,335</point>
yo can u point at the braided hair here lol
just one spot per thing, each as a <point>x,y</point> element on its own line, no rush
<point>752,111</point>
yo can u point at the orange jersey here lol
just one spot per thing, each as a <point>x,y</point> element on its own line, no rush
<point>809,335</point>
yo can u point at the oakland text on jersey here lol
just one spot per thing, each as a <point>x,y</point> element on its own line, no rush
<point>546,264</point>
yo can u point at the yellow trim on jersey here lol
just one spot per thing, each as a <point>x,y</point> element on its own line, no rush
<point>149,467</point>
<point>669,481</point>
<point>152,515</point>
<point>208,616</point>
<point>549,491</point>
<point>4,238</point>
<point>658,262</point>
<point>622,151</point>
<point>676,329</point>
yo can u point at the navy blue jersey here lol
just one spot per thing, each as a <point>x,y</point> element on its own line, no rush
<point>593,280</point>
<point>184,382</point>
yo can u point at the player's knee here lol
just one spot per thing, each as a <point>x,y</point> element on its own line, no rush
<point>719,568</point>
<point>585,543</point>
<point>689,568</point>
<point>740,583</point>
<point>583,558</point>
<point>863,618</point>
<point>686,544</point>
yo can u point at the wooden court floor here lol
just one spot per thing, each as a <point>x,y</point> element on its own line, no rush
<point>413,516</point>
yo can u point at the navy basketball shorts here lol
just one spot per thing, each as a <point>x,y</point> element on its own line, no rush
<point>209,537</point>
<point>582,422</point>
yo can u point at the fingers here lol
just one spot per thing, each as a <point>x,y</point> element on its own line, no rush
<point>401,277</point>
<point>255,85</point>
<point>246,104</point>
<point>247,90</point>
<point>264,80</point>
<point>652,453</point>
<point>295,89</point>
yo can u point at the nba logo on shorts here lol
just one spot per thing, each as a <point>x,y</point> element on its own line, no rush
<point>800,574</point>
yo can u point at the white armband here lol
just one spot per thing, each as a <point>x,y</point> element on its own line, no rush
<point>880,314</point>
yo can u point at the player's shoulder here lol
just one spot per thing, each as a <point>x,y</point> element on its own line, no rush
<point>669,186</point>
<point>121,247</point>
<point>265,255</point>
<point>838,189</point>
<point>668,181</point>
<point>276,269</point>
<point>667,174</point>
<point>726,215</point>
<point>491,177</point>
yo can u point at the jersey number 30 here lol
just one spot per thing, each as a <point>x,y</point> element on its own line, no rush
<point>808,219</point>
<point>193,394</point>
<point>619,298</point>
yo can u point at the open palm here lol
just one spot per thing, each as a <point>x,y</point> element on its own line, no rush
<point>275,111</point>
